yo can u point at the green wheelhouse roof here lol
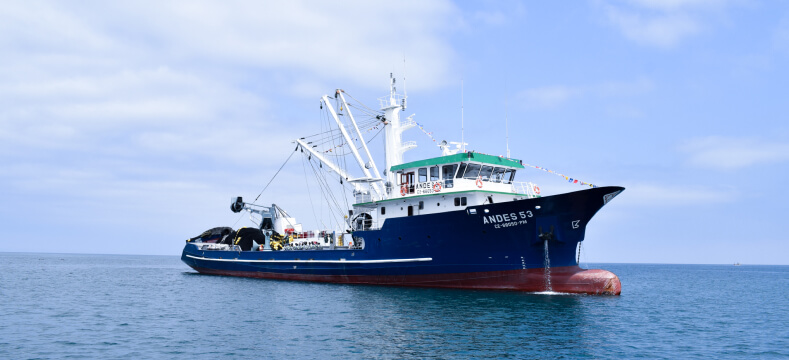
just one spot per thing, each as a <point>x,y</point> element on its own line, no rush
<point>469,156</point>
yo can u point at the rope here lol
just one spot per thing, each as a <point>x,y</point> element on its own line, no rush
<point>309,193</point>
<point>361,103</point>
<point>275,175</point>
<point>569,179</point>
<point>323,184</point>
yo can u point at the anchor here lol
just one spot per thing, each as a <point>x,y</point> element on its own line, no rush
<point>545,236</point>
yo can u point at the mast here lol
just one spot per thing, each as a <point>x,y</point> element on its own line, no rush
<point>462,130</point>
<point>323,159</point>
<point>364,144</point>
<point>405,90</point>
<point>506,123</point>
<point>393,130</point>
<point>349,142</point>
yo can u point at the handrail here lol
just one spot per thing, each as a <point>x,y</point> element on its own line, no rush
<point>527,188</point>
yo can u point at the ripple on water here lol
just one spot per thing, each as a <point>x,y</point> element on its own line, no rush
<point>150,307</point>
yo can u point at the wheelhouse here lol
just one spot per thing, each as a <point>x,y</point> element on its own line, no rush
<point>446,183</point>
<point>454,173</point>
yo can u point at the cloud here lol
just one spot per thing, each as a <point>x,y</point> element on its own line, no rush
<point>112,111</point>
<point>661,30</point>
<point>550,96</point>
<point>168,73</point>
<point>662,24</point>
<point>355,41</point>
<point>122,110</point>
<point>726,153</point>
<point>677,4</point>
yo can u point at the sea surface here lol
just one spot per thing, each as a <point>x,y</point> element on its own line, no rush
<point>155,307</point>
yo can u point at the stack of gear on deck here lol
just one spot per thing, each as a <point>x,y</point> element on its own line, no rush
<point>215,235</point>
<point>278,241</point>
<point>247,236</point>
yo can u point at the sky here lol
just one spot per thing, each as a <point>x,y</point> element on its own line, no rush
<point>126,127</point>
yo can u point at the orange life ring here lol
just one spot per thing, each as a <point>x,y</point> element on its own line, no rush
<point>403,190</point>
<point>536,189</point>
<point>437,187</point>
<point>479,182</point>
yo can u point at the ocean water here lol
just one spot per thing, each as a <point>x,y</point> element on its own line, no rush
<point>111,306</point>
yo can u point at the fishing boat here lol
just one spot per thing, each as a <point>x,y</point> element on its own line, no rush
<point>458,220</point>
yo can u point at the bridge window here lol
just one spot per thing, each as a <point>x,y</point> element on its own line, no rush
<point>498,175</point>
<point>485,172</point>
<point>407,179</point>
<point>472,171</point>
<point>434,173</point>
<point>422,174</point>
<point>448,171</point>
<point>509,175</point>
<point>461,171</point>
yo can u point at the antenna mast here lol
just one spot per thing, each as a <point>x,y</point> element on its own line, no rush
<point>506,119</point>
<point>405,91</point>
<point>462,130</point>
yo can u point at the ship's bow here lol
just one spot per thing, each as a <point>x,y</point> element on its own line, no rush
<point>573,279</point>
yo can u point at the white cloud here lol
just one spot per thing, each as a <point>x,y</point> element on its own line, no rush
<point>662,30</point>
<point>112,111</point>
<point>356,41</point>
<point>677,4</point>
<point>76,74</point>
<point>548,96</point>
<point>662,23</point>
<point>555,95</point>
<point>725,153</point>
<point>122,110</point>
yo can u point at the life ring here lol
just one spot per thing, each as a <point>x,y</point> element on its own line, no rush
<point>536,189</point>
<point>403,190</point>
<point>437,187</point>
<point>479,182</point>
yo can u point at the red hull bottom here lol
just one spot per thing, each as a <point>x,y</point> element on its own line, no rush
<point>566,279</point>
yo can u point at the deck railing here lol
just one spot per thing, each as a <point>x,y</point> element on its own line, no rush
<point>527,188</point>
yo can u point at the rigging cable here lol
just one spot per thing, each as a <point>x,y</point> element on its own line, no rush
<point>361,103</point>
<point>309,193</point>
<point>321,175</point>
<point>323,184</point>
<point>275,175</point>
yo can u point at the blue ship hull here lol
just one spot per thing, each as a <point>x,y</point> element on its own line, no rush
<point>492,246</point>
